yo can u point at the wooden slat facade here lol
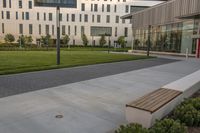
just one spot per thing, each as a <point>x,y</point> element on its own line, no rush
<point>166,13</point>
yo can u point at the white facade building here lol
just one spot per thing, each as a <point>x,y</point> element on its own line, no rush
<point>22,17</point>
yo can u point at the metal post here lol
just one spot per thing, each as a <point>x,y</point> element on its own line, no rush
<point>58,34</point>
<point>109,44</point>
<point>149,40</point>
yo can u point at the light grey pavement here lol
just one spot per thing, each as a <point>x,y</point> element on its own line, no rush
<point>26,82</point>
<point>91,106</point>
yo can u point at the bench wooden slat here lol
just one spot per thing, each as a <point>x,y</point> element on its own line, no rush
<point>150,98</point>
<point>150,95</point>
<point>155,100</point>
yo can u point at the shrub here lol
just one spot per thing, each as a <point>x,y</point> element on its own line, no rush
<point>121,40</point>
<point>168,126</point>
<point>21,40</point>
<point>131,128</point>
<point>66,39</point>
<point>102,40</point>
<point>188,112</point>
<point>85,40</point>
<point>9,38</point>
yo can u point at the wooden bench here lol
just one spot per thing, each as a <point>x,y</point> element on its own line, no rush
<point>152,106</point>
<point>161,102</point>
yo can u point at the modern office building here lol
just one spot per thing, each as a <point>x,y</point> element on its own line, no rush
<point>91,17</point>
<point>174,26</point>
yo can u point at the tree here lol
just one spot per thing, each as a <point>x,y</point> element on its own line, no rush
<point>66,39</point>
<point>21,40</point>
<point>46,40</point>
<point>102,40</point>
<point>9,38</point>
<point>121,40</point>
<point>28,39</point>
<point>85,40</point>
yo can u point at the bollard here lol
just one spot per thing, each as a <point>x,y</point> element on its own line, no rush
<point>186,54</point>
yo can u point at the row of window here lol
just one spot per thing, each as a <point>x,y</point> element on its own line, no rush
<point>63,30</point>
<point>95,8</point>
<point>26,16</point>
<point>20,4</point>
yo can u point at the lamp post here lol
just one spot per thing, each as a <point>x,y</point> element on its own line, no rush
<point>58,34</point>
<point>149,41</point>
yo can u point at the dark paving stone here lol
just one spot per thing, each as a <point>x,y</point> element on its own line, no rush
<point>26,82</point>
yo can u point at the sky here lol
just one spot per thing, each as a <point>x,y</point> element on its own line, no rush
<point>146,3</point>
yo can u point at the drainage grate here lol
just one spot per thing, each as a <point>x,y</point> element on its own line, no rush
<point>59,116</point>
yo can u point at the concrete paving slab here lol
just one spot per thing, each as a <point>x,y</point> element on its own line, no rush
<point>91,106</point>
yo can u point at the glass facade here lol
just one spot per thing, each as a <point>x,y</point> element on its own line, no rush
<point>175,37</point>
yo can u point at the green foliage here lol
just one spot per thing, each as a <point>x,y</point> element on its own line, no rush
<point>188,112</point>
<point>168,126</point>
<point>85,40</point>
<point>46,40</point>
<point>28,39</point>
<point>21,40</point>
<point>102,40</point>
<point>132,128</point>
<point>121,40</point>
<point>66,39</point>
<point>136,42</point>
<point>9,38</point>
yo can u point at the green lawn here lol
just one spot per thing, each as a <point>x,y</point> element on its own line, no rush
<point>25,61</point>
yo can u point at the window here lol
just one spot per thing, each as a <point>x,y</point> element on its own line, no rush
<point>38,16</point>
<point>108,8</point>
<point>52,29</point>
<point>60,16</point>
<point>83,7</point>
<point>127,9</point>
<point>30,5</point>
<point>98,18</point>
<point>10,4</point>
<point>115,31</point>
<point>30,29</point>
<point>63,30</point>
<point>67,17</point>
<point>115,8</point>
<point>4,3</point>
<point>69,31</point>
<point>17,17</point>
<point>75,30</point>
<point>44,16</point>
<point>73,17</point>
<point>80,17</point>
<point>117,19</point>
<point>47,29</point>
<point>20,28</point>
<point>27,15</point>
<point>20,3</point>
<point>22,15</point>
<point>82,30</point>
<point>40,29</point>
<point>2,14</point>
<point>86,18</point>
<point>95,7</point>
<point>126,32</point>
<point>107,18</point>
<point>7,15</point>
<point>50,16</point>
<point>3,30</point>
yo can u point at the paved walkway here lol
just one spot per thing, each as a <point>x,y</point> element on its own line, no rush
<point>91,106</point>
<point>20,83</point>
